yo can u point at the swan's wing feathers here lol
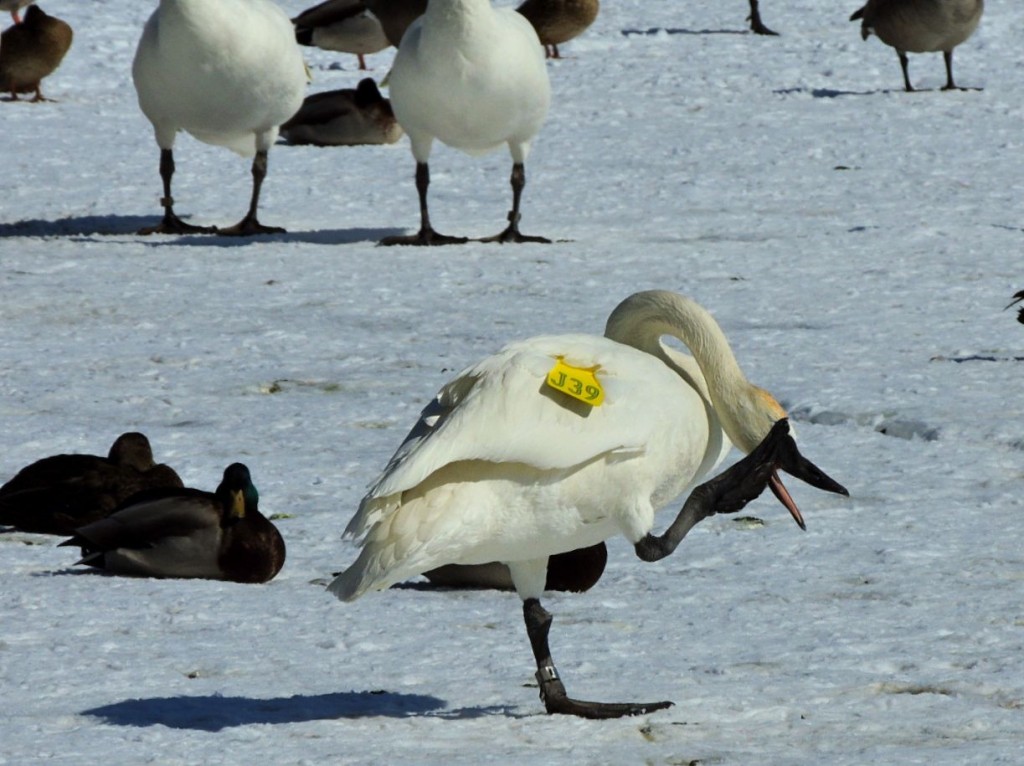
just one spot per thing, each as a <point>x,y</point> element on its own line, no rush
<point>501,410</point>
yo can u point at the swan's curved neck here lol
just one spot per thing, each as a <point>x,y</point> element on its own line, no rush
<point>746,412</point>
<point>643,319</point>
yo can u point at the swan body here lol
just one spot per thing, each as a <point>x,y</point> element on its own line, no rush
<point>501,469</point>
<point>473,77</point>
<point>346,117</point>
<point>341,25</point>
<point>558,21</point>
<point>228,72</point>
<point>921,26</point>
<point>188,533</point>
<point>60,493</point>
<point>32,50</point>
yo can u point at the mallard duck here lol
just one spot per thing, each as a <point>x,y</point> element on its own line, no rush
<point>473,77</point>
<point>347,117</point>
<point>188,533</point>
<point>574,571</point>
<point>341,25</point>
<point>558,21</point>
<point>31,51</point>
<point>227,71</point>
<point>58,494</point>
<point>921,26</point>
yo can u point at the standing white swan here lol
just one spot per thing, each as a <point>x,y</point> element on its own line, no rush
<point>474,78</point>
<point>559,442</point>
<point>227,71</point>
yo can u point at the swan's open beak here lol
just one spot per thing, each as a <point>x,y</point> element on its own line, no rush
<point>795,464</point>
<point>780,491</point>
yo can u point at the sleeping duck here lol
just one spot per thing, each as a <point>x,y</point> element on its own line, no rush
<point>575,571</point>
<point>188,533</point>
<point>60,493</point>
<point>344,117</point>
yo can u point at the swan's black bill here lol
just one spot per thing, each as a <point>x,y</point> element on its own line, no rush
<point>792,462</point>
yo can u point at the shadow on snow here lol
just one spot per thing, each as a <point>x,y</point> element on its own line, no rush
<point>215,712</point>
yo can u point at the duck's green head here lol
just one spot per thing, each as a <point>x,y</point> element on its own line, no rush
<point>237,492</point>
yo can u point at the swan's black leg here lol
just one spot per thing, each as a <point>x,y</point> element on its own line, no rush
<point>426,235</point>
<point>171,224</point>
<point>734,488</point>
<point>756,25</point>
<point>552,691</point>
<point>250,224</point>
<point>511,232</point>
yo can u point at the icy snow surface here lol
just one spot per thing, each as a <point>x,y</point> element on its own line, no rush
<point>858,245</point>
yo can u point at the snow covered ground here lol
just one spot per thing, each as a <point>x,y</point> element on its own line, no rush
<point>858,245</point>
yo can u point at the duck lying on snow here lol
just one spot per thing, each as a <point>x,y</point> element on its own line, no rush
<point>60,493</point>
<point>188,533</point>
<point>227,71</point>
<point>473,77</point>
<point>559,442</point>
<point>346,117</point>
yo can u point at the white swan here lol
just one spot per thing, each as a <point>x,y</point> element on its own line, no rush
<point>474,78</point>
<point>504,467</point>
<point>227,71</point>
<point>921,26</point>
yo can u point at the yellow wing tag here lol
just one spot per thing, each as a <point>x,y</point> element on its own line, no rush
<point>577,382</point>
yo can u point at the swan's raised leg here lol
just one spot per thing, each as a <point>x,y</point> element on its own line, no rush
<point>171,224</point>
<point>426,235</point>
<point>511,232</point>
<point>552,691</point>
<point>756,25</point>
<point>734,488</point>
<point>250,225</point>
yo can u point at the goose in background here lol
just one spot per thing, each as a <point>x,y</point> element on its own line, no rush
<point>347,117</point>
<point>921,26</point>
<point>396,16</point>
<point>58,494</point>
<point>346,26</point>
<point>558,21</point>
<point>188,533</point>
<point>32,50</point>
<point>558,443</point>
<point>473,77</point>
<point>229,72</point>
<point>13,6</point>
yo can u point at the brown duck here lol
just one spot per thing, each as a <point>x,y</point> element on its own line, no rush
<point>58,494</point>
<point>558,21</point>
<point>31,51</point>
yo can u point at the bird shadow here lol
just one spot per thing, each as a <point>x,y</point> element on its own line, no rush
<point>651,31</point>
<point>215,712</point>
<point>121,225</point>
<point>828,92</point>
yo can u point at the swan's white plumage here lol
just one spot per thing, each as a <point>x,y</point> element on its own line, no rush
<point>502,468</point>
<point>229,72</point>
<point>471,76</point>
